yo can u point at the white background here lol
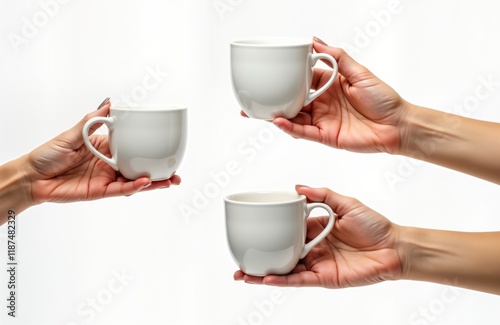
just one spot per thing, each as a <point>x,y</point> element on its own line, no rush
<point>59,63</point>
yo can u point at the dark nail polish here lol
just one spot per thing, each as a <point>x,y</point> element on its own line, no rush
<point>104,102</point>
<point>319,40</point>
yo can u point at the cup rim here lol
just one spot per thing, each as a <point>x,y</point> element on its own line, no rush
<point>294,197</point>
<point>272,42</point>
<point>149,108</point>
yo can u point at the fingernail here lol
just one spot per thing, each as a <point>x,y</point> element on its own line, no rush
<point>319,40</point>
<point>147,185</point>
<point>300,185</point>
<point>104,102</point>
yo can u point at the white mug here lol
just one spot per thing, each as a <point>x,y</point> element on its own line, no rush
<point>272,77</point>
<point>143,142</point>
<point>266,230</point>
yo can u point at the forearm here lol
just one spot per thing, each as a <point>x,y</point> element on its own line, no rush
<point>14,189</point>
<point>468,260</point>
<point>463,144</point>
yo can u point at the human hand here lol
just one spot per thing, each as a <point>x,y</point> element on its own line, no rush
<point>359,112</point>
<point>360,250</point>
<point>64,170</point>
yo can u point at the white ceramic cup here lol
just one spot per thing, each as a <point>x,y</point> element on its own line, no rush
<point>143,142</point>
<point>266,230</point>
<point>272,77</point>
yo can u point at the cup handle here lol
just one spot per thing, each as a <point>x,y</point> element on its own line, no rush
<point>314,58</point>
<point>325,232</point>
<point>85,133</point>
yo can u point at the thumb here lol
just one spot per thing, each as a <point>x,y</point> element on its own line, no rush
<point>340,204</point>
<point>348,67</point>
<point>102,112</point>
<point>74,135</point>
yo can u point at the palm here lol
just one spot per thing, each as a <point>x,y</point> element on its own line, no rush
<point>357,252</point>
<point>68,175</point>
<point>358,115</point>
<point>359,112</point>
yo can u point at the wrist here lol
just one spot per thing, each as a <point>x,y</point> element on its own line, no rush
<point>426,131</point>
<point>427,254</point>
<point>15,187</point>
<point>417,129</point>
<point>463,259</point>
<point>410,251</point>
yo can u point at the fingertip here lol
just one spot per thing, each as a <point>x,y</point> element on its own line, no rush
<point>319,41</point>
<point>282,123</point>
<point>301,188</point>
<point>304,187</point>
<point>320,46</point>
<point>175,180</point>
<point>104,110</point>
<point>314,194</point>
<point>238,275</point>
<point>104,102</point>
<point>279,120</point>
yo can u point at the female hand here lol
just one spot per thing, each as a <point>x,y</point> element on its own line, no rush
<point>358,112</point>
<point>64,170</point>
<point>360,250</point>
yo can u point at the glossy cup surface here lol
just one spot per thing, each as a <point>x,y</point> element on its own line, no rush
<point>266,230</point>
<point>271,77</point>
<point>147,142</point>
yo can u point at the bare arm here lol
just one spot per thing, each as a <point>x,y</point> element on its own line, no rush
<point>463,259</point>
<point>463,144</point>
<point>14,188</point>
